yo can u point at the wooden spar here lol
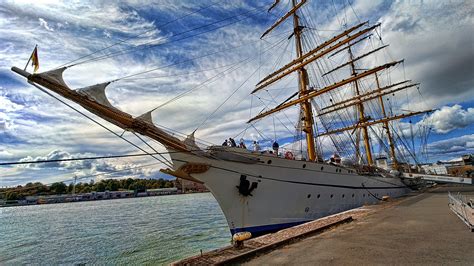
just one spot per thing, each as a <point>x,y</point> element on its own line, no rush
<point>379,94</point>
<point>362,118</point>
<point>289,98</point>
<point>307,58</point>
<point>320,47</point>
<point>280,20</point>
<point>370,123</point>
<point>313,94</point>
<point>350,44</point>
<point>303,89</point>
<point>365,94</point>
<point>273,5</point>
<point>355,59</point>
<point>113,115</point>
<point>386,125</point>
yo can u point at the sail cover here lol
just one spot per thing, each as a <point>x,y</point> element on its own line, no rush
<point>96,93</point>
<point>147,117</point>
<point>191,145</point>
<point>55,76</point>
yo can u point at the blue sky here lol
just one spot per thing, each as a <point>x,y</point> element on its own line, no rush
<point>434,37</point>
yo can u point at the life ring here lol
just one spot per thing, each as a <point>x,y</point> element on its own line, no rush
<point>289,155</point>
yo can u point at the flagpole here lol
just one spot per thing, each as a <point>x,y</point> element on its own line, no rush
<point>29,59</point>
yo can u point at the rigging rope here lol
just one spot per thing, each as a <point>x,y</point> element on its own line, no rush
<point>96,122</point>
<point>232,94</point>
<point>138,35</point>
<point>142,46</point>
<point>75,159</point>
<point>82,177</point>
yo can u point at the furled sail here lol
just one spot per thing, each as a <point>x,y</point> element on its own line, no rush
<point>96,93</point>
<point>147,117</point>
<point>54,76</point>
<point>191,145</point>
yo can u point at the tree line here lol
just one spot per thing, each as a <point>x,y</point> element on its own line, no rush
<point>40,189</point>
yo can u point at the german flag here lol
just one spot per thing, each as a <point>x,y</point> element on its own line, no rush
<point>34,59</point>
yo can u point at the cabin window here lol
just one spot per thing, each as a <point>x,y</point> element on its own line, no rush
<point>319,196</point>
<point>343,195</point>
<point>322,168</point>
<point>304,165</point>
<point>332,196</point>
<point>353,195</point>
<point>309,196</point>
<point>269,161</point>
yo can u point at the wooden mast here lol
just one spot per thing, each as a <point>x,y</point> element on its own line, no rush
<point>336,44</point>
<point>303,88</point>
<point>386,125</point>
<point>362,117</point>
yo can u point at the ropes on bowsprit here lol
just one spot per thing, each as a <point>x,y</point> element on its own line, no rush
<point>149,44</point>
<point>98,123</point>
<point>77,159</point>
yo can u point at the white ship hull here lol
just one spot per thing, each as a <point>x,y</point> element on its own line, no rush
<point>289,192</point>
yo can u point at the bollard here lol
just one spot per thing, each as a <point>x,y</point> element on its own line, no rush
<point>239,238</point>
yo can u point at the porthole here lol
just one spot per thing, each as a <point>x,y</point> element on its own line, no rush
<point>309,196</point>
<point>363,196</point>
<point>353,195</point>
<point>343,195</point>
<point>269,161</point>
<point>319,196</point>
<point>304,165</point>
<point>322,168</point>
<point>332,196</point>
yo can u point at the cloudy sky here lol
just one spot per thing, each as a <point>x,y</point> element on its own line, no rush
<point>212,50</point>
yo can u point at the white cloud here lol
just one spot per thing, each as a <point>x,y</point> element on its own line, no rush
<point>449,118</point>
<point>7,105</point>
<point>452,147</point>
<point>44,24</point>
<point>86,167</point>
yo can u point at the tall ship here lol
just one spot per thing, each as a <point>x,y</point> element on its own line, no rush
<point>349,105</point>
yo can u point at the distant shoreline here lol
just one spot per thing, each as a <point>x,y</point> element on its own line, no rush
<point>69,198</point>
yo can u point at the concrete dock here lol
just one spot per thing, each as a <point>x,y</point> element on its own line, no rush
<point>416,229</point>
<point>419,229</point>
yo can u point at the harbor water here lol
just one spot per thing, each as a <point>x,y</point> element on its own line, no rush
<point>151,230</point>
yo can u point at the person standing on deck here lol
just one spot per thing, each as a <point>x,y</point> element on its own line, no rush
<point>242,144</point>
<point>256,147</point>
<point>275,147</point>
<point>232,142</point>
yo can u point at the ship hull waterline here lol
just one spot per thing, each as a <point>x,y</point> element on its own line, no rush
<point>288,192</point>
